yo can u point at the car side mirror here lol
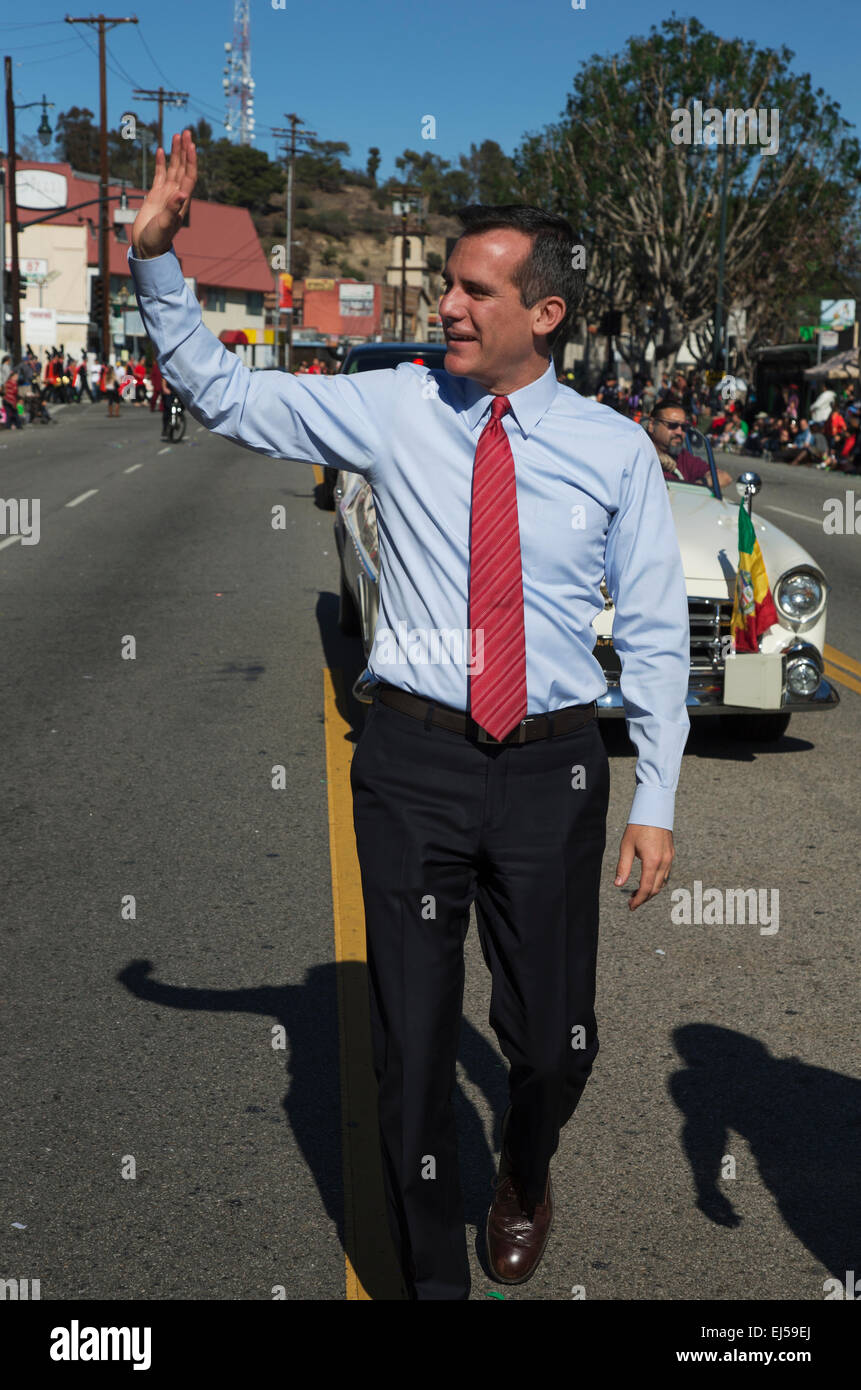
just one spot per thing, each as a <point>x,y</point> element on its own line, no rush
<point>748,483</point>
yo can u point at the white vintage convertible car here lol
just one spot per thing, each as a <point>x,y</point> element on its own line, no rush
<point>759,690</point>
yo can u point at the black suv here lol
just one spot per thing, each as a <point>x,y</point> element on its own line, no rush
<point>370,357</point>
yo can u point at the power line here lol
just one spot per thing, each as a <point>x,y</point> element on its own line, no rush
<point>29,62</point>
<point>160,95</point>
<point>36,24</point>
<point>199,101</point>
<point>43,43</point>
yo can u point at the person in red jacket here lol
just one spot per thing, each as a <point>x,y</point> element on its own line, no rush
<point>155,378</point>
<point>10,398</point>
<point>50,377</point>
<point>139,374</point>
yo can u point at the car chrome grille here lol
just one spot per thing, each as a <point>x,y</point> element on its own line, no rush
<point>710,623</point>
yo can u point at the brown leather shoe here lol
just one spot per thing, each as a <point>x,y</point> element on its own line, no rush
<point>516,1236</point>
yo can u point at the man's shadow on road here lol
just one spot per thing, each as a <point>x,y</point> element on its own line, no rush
<point>801,1123</point>
<point>312,1103</point>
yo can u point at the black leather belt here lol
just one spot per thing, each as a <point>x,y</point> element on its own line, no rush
<point>534,726</point>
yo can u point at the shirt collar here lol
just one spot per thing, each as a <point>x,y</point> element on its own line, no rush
<point>528,404</point>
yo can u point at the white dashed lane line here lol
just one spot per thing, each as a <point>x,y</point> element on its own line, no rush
<point>13,540</point>
<point>165,450</point>
<point>799,516</point>
<point>133,467</point>
<point>83,497</point>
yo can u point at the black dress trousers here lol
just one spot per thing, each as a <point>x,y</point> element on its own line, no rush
<point>441,821</point>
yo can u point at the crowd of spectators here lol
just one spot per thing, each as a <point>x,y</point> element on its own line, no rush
<point>827,437</point>
<point>316,367</point>
<point>28,387</point>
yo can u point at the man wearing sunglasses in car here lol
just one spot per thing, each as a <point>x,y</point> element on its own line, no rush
<point>666,426</point>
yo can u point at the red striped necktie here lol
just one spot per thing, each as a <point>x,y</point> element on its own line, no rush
<point>497,691</point>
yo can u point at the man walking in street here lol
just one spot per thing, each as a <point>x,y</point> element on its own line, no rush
<point>502,501</point>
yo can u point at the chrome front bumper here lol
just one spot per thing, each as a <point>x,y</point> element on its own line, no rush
<point>706,697</point>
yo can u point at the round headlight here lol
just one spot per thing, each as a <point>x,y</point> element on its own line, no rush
<point>803,676</point>
<point>799,596</point>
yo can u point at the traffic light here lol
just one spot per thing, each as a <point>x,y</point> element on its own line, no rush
<point>7,287</point>
<point>97,299</point>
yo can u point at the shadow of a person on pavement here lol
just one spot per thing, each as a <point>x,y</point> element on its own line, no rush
<point>308,1013</point>
<point>800,1121</point>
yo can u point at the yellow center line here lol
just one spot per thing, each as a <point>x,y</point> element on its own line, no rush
<point>369,1257</point>
<point>840,659</point>
<point>835,674</point>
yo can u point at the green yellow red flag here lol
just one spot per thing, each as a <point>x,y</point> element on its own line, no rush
<point>753,609</point>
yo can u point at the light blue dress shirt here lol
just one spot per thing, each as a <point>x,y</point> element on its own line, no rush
<point>591,502</point>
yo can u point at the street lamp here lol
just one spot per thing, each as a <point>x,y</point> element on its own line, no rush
<point>44,132</point>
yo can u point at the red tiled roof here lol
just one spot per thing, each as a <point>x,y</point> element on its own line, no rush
<point>219,246</point>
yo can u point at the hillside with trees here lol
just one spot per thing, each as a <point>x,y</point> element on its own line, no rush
<point>343,217</point>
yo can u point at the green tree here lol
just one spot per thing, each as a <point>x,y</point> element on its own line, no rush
<point>373,163</point>
<point>446,189</point>
<point>201,133</point>
<point>492,176</point>
<point>238,175</point>
<point>647,209</point>
<point>77,139</point>
<point>320,165</point>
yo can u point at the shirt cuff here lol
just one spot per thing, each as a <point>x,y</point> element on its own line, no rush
<point>157,275</point>
<point>653,806</point>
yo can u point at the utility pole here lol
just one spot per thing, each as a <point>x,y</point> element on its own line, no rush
<point>104,266</point>
<point>611,314</point>
<point>405,243</point>
<point>14,279</point>
<point>719,307</point>
<point>285,348</point>
<point>45,139</point>
<point>161,95</point>
<point>2,257</point>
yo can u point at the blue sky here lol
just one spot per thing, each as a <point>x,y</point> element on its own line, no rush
<point>367,71</point>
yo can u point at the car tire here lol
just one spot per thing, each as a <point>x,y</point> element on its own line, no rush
<point>756,728</point>
<point>348,613</point>
<point>326,491</point>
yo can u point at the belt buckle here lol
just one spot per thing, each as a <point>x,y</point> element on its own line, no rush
<point>485,737</point>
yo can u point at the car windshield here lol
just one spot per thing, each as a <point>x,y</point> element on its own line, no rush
<point>388,356</point>
<point>693,464</point>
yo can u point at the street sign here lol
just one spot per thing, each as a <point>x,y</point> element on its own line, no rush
<point>39,326</point>
<point>836,313</point>
<point>41,189</point>
<point>29,265</point>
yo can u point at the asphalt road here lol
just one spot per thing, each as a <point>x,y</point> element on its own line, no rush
<point>152,777</point>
